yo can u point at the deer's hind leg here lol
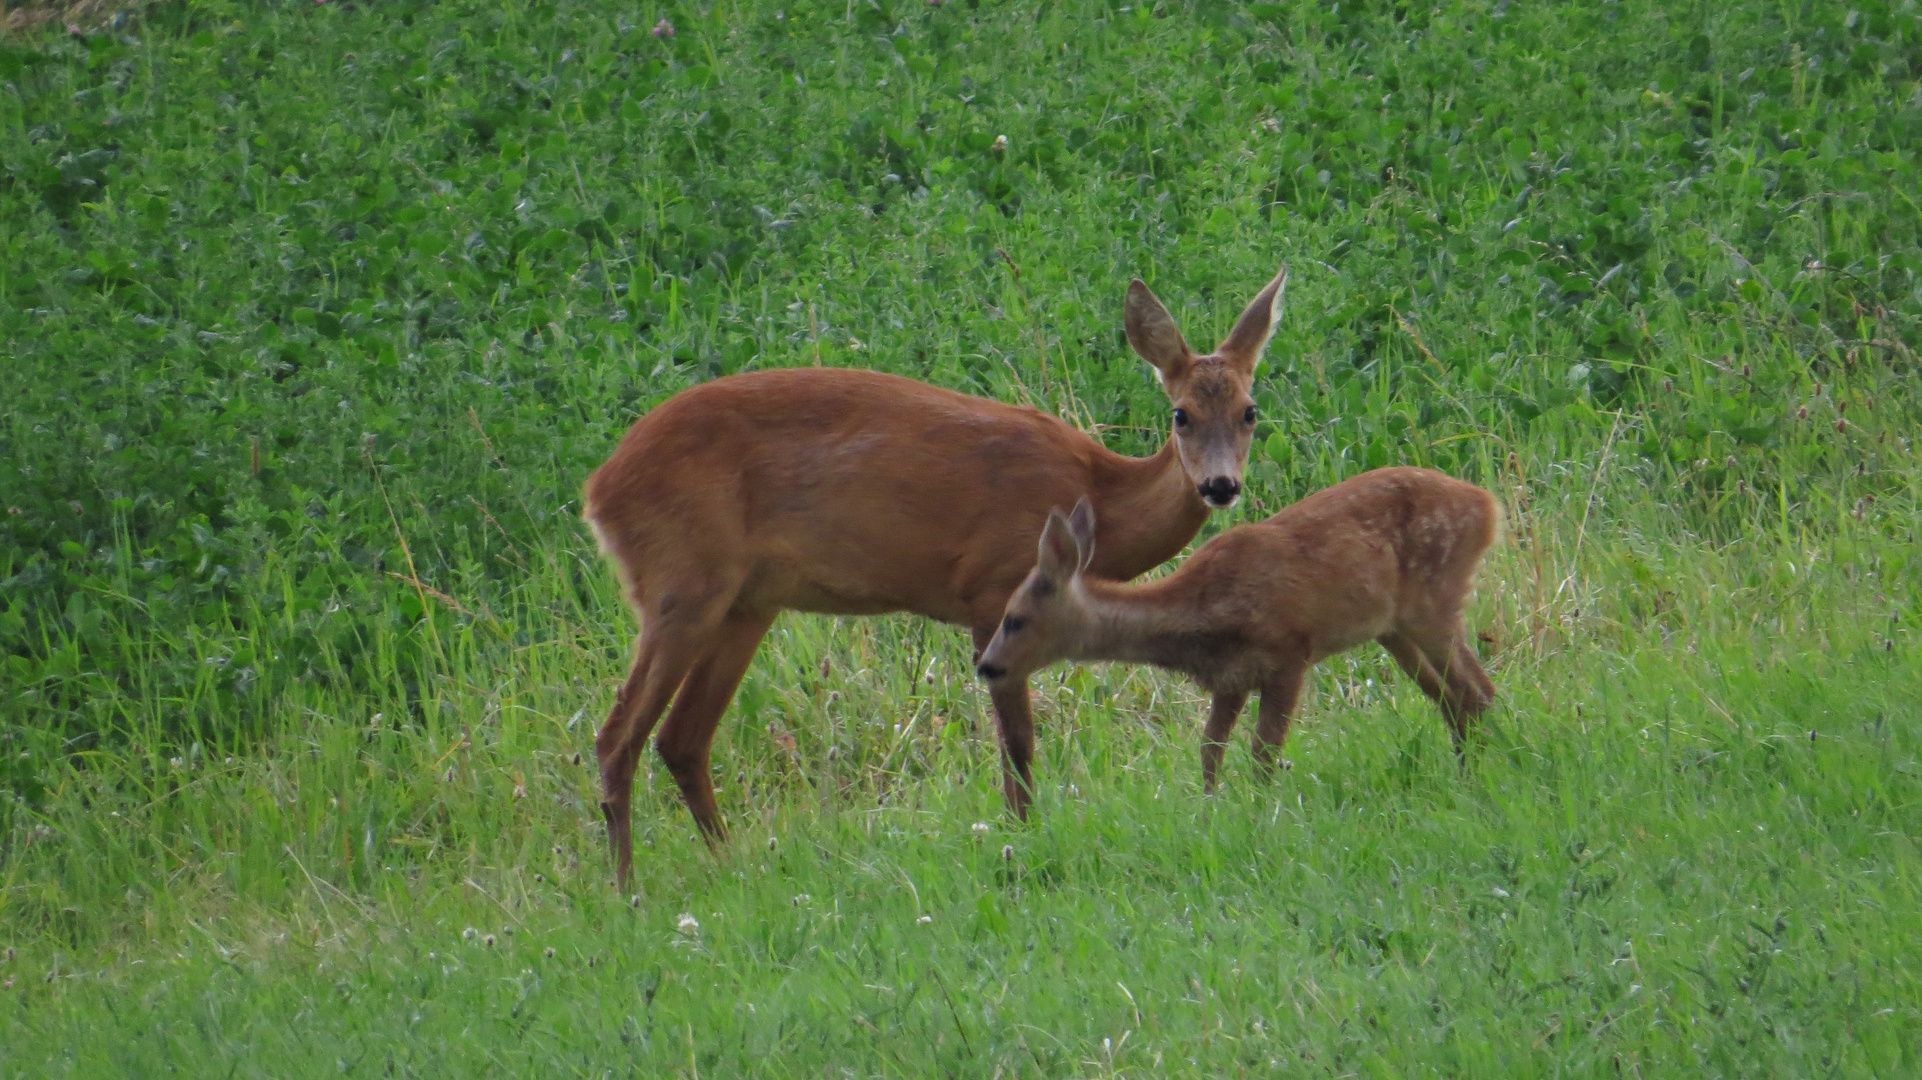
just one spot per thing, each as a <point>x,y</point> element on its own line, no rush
<point>687,735</point>
<point>678,632</point>
<point>661,664</point>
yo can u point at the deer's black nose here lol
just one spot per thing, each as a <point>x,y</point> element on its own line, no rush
<point>990,672</point>
<point>1220,490</point>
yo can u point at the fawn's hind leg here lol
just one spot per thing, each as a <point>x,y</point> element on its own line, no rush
<point>1222,715</point>
<point>1477,690</point>
<point>1447,671</point>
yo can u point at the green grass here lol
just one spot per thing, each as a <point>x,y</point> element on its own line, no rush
<point>317,315</point>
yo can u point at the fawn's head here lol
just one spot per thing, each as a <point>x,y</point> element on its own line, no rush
<point>1214,416</point>
<point>1045,616</point>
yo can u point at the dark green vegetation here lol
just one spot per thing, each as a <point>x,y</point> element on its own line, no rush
<point>316,316</point>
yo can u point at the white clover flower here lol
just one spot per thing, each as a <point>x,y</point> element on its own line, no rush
<point>688,924</point>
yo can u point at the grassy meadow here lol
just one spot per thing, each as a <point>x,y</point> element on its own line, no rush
<point>316,315</point>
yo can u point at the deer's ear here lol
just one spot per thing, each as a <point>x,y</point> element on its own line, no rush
<point>1081,525</point>
<point>1058,556</point>
<point>1246,341</point>
<point>1153,335</point>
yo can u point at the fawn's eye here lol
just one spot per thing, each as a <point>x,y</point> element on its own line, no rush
<point>1248,417</point>
<point>1181,418</point>
<point>1013,624</point>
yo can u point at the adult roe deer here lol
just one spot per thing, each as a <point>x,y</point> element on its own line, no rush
<point>1388,556</point>
<point>854,492</point>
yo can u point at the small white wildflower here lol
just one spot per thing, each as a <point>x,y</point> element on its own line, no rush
<point>688,924</point>
<point>1501,892</point>
<point>1000,144</point>
<point>469,934</point>
<point>924,920</point>
<point>981,828</point>
<point>801,898</point>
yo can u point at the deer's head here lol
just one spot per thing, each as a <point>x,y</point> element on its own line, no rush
<point>1214,415</point>
<point>1046,616</point>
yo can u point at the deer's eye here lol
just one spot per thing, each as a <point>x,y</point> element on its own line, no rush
<point>1013,624</point>
<point>1181,418</point>
<point>1248,417</point>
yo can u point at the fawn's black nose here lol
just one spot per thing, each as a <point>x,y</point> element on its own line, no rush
<point>1220,491</point>
<point>990,672</point>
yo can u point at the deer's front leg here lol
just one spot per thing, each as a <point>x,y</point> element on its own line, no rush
<point>1014,719</point>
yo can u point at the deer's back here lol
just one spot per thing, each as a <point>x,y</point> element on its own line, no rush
<point>838,490</point>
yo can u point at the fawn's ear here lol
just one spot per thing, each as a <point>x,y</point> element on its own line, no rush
<point>1081,525</point>
<point>1257,324</point>
<point>1153,335</point>
<point>1059,556</point>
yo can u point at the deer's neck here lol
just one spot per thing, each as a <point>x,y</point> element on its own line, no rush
<point>1160,623</point>
<point>1147,509</point>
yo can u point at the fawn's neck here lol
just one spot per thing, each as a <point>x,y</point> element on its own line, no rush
<point>1148,509</point>
<point>1160,623</point>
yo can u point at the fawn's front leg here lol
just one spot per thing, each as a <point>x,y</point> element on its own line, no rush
<point>1214,739</point>
<point>1278,700</point>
